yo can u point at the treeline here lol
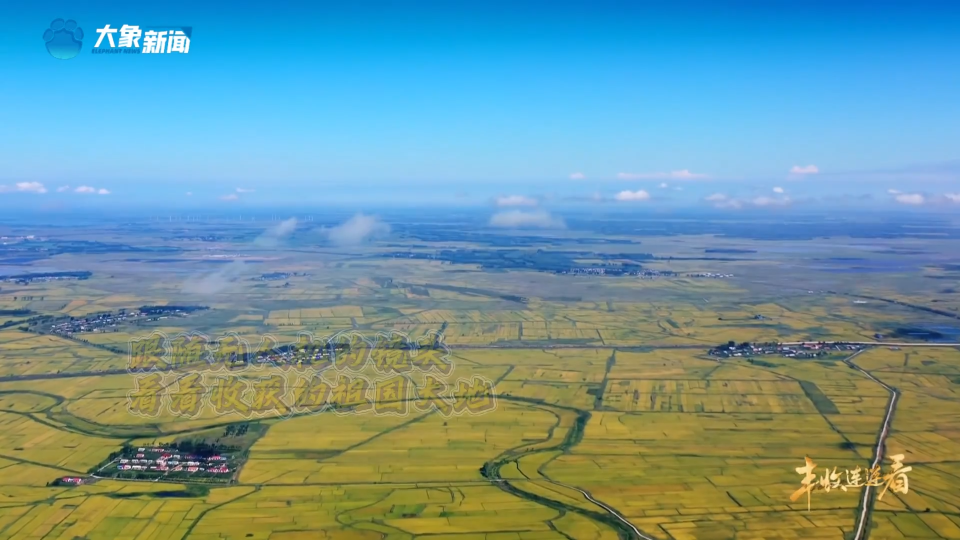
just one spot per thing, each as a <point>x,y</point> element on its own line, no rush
<point>201,448</point>
<point>15,312</point>
<point>49,248</point>
<point>47,275</point>
<point>522,259</point>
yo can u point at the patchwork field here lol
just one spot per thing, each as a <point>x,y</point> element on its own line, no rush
<point>669,468</point>
<point>610,419</point>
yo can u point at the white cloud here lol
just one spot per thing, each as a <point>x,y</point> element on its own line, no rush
<point>720,200</point>
<point>31,187</point>
<point>356,230</point>
<point>244,190</point>
<point>809,169</point>
<point>682,174</point>
<point>894,191</point>
<point>638,195</point>
<point>953,197</point>
<point>686,175</point>
<point>272,236</point>
<point>24,187</point>
<point>61,189</point>
<point>577,176</point>
<point>518,219</point>
<point>87,190</point>
<point>732,204</point>
<point>189,194</point>
<point>515,200</point>
<point>764,201</point>
<point>771,201</point>
<point>230,197</point>
<point>778,190</point>
<point>663,185</point>
<point>226,276</point>
<point>910,198</point>
<point>217,281</point>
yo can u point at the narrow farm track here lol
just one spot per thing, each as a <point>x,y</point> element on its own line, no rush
<point>866,501</point>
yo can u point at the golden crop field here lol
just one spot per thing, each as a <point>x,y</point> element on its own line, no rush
<point>671,469</point>
<point>610,420</point>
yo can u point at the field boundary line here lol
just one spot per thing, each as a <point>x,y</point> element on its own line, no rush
<point>861,532</point>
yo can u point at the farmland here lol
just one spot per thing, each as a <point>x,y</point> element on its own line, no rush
<point>604,416</point>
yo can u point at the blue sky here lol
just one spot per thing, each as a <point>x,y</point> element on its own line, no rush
<point>466,101</point>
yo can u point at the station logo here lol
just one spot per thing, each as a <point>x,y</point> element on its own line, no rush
<point>896,480</point>
<point>132,39</point>
<point>64,39</point>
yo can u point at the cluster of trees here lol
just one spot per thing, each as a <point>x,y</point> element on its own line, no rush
<point>234,430</point>
<point>201,448</point>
